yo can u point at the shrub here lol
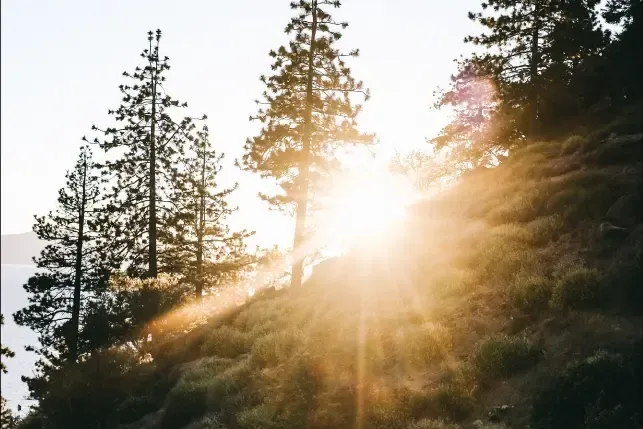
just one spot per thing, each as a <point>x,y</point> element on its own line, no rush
<point>204,368</point>
<point>545,229</point>
<point>596,392</point>
<point>502,356</point>
<point>135,407</point>
<point>531,294</point>
<point>432,424</point>
<point>225,341</point>
<point>579,288</point>
<point>225,391</point>
<point>499,260</point>
<point>275,347</point>
<point>385,416</point>
<point>211,421</point>
<point>420,345</point>
<point>260,417</point>
<point>451,401</point>
<point>523,207</point>
<point>185,402</point>
<point>572,145</point>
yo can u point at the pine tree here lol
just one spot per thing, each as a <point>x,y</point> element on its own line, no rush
<point>481,128</point>
<point>7,419</point>
<point>519,85</point>
<point>149,144</point>
<point>308,112</point>
<point>204,249</point>
<point>527,40</point>
<point>74,268</point>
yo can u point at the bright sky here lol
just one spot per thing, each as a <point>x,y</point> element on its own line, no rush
<point>61,64</point>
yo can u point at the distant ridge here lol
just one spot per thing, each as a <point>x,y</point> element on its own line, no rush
<point>19,249</point>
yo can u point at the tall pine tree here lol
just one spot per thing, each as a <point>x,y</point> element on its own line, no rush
<point>74,269</point>
<point>7,419</point>
<point>203,247</point>
<point>518,85</point>
<point>149,145</point>
<point>307,112</point>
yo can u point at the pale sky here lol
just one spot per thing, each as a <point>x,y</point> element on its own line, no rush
<point>61,64</point>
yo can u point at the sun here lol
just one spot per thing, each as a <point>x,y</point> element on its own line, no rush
<point>363,206</point>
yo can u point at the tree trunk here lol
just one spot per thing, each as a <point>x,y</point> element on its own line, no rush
<point>201,231</point>
<point>302,196</point>
<point>75,311</point>
<point>153,272</point>
<point>533,71</point>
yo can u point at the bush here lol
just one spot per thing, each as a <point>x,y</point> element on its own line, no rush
<point>135,407</point>
<point>432,424</point>
<point>502,356</point>
<point>225,341</point>
<point>602,391</point>
<point>225,391</point>
<point>572,145</point>
<point>545,229</point>
<point>185,402</point>
<point>204,368</point>
<point>579,288</point>
<point>420,345</point>
<point>531,294</point>
<point>210,421</point>
<point>497,260</point>
<point>260,417</point>
<point>275,347</point>
<point>452,401</point>
<point>523,207</point>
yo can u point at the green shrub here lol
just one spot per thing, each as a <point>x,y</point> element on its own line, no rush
<point>204,368</point>
<point>420,345</point>
<point>225,341</point>
<point>572,145</point>
<point>522,207</point>
<point>545,229</point>
<point>276,347</point>
<point>385,416</point>
<point>502,356</point>
<point>531,294</point>
<point>432,424</point>
<point>135,407</point>
<point>596,392</point>
<point>497,260</point>
<point>224,391</point>
<point>184,403</point>
<point>579,288</point>
<point>451,401</point>
<point>211,421</point>
<point>260,417</point>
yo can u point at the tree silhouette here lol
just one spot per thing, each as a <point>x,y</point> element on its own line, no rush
<point>7,419</point>
<point>202,246</point>
<point>148,144</point>
<point>307,112</point>
<point>74,267</point>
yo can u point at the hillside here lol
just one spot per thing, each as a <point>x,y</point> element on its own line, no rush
<point>512,300</point>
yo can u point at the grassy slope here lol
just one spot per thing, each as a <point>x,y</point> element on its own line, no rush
<point>505,291</point>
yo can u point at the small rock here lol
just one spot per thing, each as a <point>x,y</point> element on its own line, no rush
<point>606,229</point>
<point>477,424</point>
<point>496,413</point>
